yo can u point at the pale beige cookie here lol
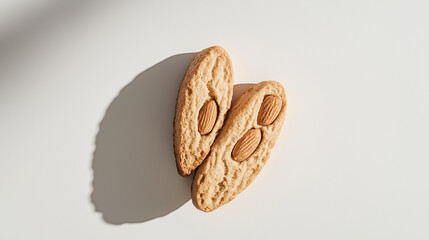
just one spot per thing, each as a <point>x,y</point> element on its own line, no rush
<point>242,147</point>
<point>202,103</point>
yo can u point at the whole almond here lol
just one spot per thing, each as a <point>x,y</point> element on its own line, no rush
<point>269,110</point>
<point>207,117</point>
<point>246,145</point>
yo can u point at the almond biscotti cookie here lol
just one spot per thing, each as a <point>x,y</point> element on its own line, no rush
<point>202,103</point>
<point>242,147</point>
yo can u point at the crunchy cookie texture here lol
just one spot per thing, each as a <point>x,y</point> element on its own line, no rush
<point>220,179</point>
<point>209,77</point>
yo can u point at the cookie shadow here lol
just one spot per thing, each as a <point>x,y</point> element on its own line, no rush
<point>135,177</point>
<point>239,89</point>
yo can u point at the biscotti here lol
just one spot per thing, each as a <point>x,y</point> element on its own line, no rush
<point>203,100</point>
<point>242,147</point>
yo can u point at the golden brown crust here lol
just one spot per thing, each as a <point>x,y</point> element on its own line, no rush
<point>220,179</point>
<point>209,77</point>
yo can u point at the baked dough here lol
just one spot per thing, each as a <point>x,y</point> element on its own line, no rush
<point>209,77</point>
<point>220,179</point>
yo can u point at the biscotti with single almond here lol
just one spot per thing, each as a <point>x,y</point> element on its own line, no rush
<point>203,100</point>
<point>242,147</point>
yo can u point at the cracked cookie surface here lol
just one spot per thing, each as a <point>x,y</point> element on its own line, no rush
<point>220,178</point>
<point>209,77</point>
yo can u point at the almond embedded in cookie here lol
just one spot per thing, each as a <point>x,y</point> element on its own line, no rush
<point>202,102</point>
<point>242,147</point>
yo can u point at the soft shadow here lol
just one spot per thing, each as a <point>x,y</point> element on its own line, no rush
<point>42,19</point>
<point>239,89</point>
<point>135,176</point>
<point>21,35</point>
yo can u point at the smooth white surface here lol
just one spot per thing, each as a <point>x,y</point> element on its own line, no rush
<point>352,161</point>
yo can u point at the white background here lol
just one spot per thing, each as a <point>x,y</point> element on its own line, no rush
<point>352,160</point>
